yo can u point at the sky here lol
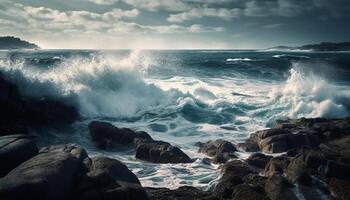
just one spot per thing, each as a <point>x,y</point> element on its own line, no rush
<point>175,24</point>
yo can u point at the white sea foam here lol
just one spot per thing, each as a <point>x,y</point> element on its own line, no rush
<point>307,95</point>
<point>237,59</point>
<point>289,56</point>
<point>104,86</point>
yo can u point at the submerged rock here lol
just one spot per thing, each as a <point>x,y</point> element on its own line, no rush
<point>49,175</point>
<point>220,150</point>
<point>15,149</point>
<point>182,193</point>
<point>159,152</point>
<point>105,135</point>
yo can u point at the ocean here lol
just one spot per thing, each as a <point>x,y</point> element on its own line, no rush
<point>181,96</point>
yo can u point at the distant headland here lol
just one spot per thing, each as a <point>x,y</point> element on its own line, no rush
<point>10,42</point>
<point>324,46</point>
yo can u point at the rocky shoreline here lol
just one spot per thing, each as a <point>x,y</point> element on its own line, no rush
<point>296,159</point>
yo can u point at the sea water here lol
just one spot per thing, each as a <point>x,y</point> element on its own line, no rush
<point>181,96</point>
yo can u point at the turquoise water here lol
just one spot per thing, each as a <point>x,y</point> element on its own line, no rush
<point>181,96</point>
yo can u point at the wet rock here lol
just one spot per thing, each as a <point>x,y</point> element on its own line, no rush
<point>284,142</point>
<point>107,178</point>
<point>339,189</point>
<point>277,188</point>
<point>252,144</point>
<point>258,160</point>
<point>182,193</point>
<point>105,135</point>
<point>20,114</point>
<point>248,146</point>
<point>220,150</point>
<point>338,149</point>
<point>255,180</point>
<point>337,170</point>
<point>49,175</point>
<point>233,173</point>
<point>247,192</point>
<point>276,165</point>
<point>296,171</point>
<point>47,111</point>
<point>15,149</point>
<point>159,152</point>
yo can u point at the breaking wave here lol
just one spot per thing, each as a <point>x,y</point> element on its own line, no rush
<point>306,94</point>
<point>99,85</point>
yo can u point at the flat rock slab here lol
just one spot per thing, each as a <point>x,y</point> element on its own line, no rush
<point>49,175</point>
<point>15,149</point>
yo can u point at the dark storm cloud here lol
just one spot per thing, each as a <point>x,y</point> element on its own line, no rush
<point>263,8</point>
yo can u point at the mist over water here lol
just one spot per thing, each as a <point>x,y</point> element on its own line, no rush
<point>182,97</point>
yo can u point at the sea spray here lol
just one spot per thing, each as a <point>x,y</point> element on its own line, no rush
<point>306,94</point>
<point>102,86</point>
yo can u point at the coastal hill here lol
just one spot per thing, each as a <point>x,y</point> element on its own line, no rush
<point>10,42</point>
<point>324,46</point>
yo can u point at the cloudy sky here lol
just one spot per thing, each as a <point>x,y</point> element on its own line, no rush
<point>172,24</point>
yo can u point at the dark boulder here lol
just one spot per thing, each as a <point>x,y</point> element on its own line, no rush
<point>337,149</point>
<point>220,150</point>
<point>252,144</point>
<point>339,189</point>
<point>276,165</point>
<point>182,193</point>
<point>159,152</point>
<point>337,170</point>
<point>105,135</point>
<point>107,178</point>
<point>247,192</point>
<point>248,146</point>
<point>277,188</point>
<point>20,114</point>
<point>49,175</point>
<point>46,111</point>
<point>297,172</point>
<point>284,142</point>
<point>258,160</point>
<point>233,173</point>
<point>255,180</point>
<point>15,149</point>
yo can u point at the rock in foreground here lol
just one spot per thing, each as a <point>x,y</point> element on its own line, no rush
<point>66,172</point>
<point>182,193</point>
<point>15,149</point>
<point>108,178</point>
<point>49,175</point>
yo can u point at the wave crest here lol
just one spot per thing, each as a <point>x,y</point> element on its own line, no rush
<point>100,85</point>
<point>308,95</point>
